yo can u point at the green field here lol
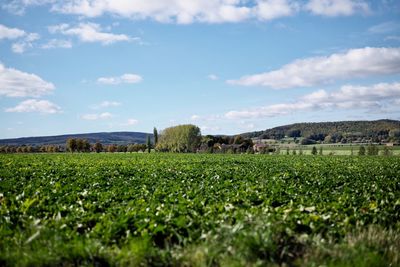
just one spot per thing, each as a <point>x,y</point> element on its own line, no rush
<point>199,210</point>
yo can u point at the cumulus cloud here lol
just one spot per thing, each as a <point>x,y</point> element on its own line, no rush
<point>57,43</point>
<point>354,63</point>
<point>90,33</point>
<point>101,116</point>
<point>170,11</point>
<point>347,97</point>
<point>200,11</point>
<point>10,33</point>
<point>15,83</point>
<point>272,9</point>
<point>18,6</point>
<point>125,78</point>
<point>28,41</point>
<point>25,40</point>
<point>333,8</point>
<point>34,105</point>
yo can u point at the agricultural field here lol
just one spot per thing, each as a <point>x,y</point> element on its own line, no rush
<point>199,210</point>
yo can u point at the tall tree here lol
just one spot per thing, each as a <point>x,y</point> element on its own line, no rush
<point>148,143</point>
<point>71,145</point>
<point>155,134</point>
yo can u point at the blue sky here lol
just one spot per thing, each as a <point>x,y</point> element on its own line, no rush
<point>228,66</point>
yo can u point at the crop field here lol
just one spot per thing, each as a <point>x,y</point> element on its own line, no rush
<point>199,210</point>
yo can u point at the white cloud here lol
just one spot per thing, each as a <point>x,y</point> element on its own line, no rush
<point>179,11</point>
<point>18,6</point>
<point>385,27</point>
<point>130,122</point>
<point>33,105</point>
<point>354,63</point>
<point>201,11</point>
<point>21,46</point>
<point>206,128</point>
<point>56,43</point>
<point>90,33</point>
<point>125,78</point>
<point>272,9</point>
<point>101,116</point>
<point>10,33</point>
<point>212,77</point>
<point>194,117</point>
<point>347,97</point>
<point>15,83</point>
<point>25,40</point>
<point>333,8</point>
<point>107,104</point>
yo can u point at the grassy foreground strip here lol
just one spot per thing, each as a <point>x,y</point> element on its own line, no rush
<point>199,210</point>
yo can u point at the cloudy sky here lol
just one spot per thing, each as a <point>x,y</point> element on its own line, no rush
<point>228,66</point>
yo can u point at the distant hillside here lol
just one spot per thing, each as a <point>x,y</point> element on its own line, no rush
<point>379,130</point>
<point>122,138</point>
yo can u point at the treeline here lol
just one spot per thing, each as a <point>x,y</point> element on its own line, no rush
<point>188,138</point>
<point>76,145</point>
<point>381,131</point>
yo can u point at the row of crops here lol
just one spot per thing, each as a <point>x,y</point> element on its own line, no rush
<point>199,210</point>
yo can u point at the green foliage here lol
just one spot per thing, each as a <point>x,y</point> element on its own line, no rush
<point>314,150</point>
<point>155,136</point>
<point>98,147</point>
<point>335,132</point>
<point>181,138</point>
<point>361,151</point>
<point>372,150</point>
<point>163,209</point>
<point>148,144</point>
<point>71,145</point>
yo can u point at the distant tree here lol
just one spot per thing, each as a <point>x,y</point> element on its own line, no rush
<point>121,148</point>
<point>148,143</point>
<point>314,150</point>
<point>386,151</point>
<point>98,147</point>
<point>372,150</point>
<point>111,148</point>
<point>300,151</point>
<point>238,140</point>
<point>294,152</point>
<point>320,151</point>
<point>155,134</point>
<point>79,144</point>
<point>71,145</point>
<point>307,141</point>
<point>328,139</point>
<point>294,133</point>
<point>181,138</point>
<point>361,151</point>
<point>287,151</point>
<point>86,146</point>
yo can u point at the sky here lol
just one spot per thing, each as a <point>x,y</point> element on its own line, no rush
<point>227,66</point>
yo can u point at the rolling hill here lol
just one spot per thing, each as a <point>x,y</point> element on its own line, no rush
<point>354,129</point>
<point>105,138</point>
